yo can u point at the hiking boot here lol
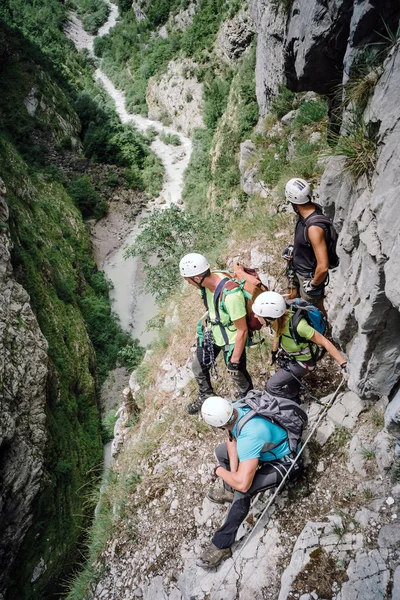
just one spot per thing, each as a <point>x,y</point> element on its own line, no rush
<point>220,495</point>
<point>194,407</point>
<point>213,556</point>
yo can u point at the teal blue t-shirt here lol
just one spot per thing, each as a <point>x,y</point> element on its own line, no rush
<point>255,434</point>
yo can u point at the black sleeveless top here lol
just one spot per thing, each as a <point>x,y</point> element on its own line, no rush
<point>304,261</point>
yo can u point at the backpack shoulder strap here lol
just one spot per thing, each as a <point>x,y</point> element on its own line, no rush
<point>249,415</point>
<point>293,324</point>
<point>217,294</point>
<point>204,298</point>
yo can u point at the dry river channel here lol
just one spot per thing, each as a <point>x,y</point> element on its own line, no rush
<point>133,307</point>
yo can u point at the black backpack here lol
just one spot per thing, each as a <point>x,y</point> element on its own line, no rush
<point>280,411</point>
<point>331,237</point>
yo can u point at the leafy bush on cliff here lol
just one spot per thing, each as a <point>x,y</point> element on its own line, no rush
<point>89,202</point>
<point>106,140</point>
<point>93,14</point>
<point>166,236</point>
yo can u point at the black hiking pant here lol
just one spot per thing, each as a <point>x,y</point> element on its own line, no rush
<point>268,475</point>
<point>285,382</point>
<point>202,373</point>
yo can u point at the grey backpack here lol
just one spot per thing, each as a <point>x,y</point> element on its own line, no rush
<point>280,411</point>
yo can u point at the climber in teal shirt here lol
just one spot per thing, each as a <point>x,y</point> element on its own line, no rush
<point>255,458</point>
<point>251,441</point>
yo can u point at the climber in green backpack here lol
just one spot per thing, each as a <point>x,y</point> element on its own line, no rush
<point>298,341</point>
<point>225,329</point>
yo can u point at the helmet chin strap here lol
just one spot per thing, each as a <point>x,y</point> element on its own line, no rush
<point>198,284</point>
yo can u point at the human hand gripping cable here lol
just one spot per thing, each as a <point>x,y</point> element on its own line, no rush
<point>287,253</point>
<point>344,370</point>
<point>232,367</point>
<point>308,286</point>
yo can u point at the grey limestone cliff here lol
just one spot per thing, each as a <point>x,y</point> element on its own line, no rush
<point>312,46</point>
<point>23,375</point>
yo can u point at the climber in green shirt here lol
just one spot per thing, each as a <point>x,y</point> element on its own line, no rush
<point>296,359</point>
<point>228,328</point>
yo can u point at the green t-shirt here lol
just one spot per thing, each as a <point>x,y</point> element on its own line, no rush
<point>289,344</point>
<point>235,305</point>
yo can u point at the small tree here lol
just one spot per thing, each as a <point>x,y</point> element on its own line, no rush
<point>168,235</point>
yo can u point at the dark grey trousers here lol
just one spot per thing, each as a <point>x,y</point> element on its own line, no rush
<point>269,475</point>
<point>202,373</point>
<point>282,383</point>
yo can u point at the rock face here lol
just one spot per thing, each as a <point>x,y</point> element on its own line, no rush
<point>366,313</point>
<point>234,36</point>
<point>138,10</point>
<point>270,24</point>
<point>316,43</point>
<point>312,47</point>
<point>177,96</point>
<point>23,374</point>
<point>248,171</point>
<point>179,21</point>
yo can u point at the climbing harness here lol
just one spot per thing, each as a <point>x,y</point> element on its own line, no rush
<point>208,353</point>
<point>285,364</point>
<point>321,416</point>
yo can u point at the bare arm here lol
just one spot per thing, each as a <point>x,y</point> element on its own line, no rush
<point>322,341</point>
<point>275,343</point>
<point>233,455</point>
<point>317,240</point>
<point>241,337</point>
<point>241,479</point>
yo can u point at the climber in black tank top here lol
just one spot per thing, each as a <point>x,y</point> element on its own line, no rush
<point>308,260</point>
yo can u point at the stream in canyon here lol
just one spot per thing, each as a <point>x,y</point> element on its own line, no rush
<point>133,306</point>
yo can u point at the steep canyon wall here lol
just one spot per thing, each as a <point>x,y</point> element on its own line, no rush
<point>313,47</point>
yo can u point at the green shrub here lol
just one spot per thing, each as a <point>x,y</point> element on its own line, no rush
<point>152,175</point>
<point>198,173</point>
<point>166,236</point>
<point>170,138</point>
<point>215,100</point>
<point>112,180</point>
<point>107,426</point>
<point>93,14</point>
<point>310,112</point>
<point>358,145</point>
<point>151,134</point>
<point>63,466</point>
<point>283,103</point>
<point>130,355</point>
<point>85,197</point>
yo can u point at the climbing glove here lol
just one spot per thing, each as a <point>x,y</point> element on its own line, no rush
<point>308,286</point>
<point>287,253</point>
<point>214,475</point>
<point>232,367</point>
<point>345,373</point>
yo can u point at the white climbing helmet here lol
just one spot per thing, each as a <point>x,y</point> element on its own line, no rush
<point>298,191</point>
<point>216,411</point>
<point>270,305</point>
<point>193,264</point>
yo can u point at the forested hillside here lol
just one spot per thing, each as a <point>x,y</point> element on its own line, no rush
<point>58,133</point>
